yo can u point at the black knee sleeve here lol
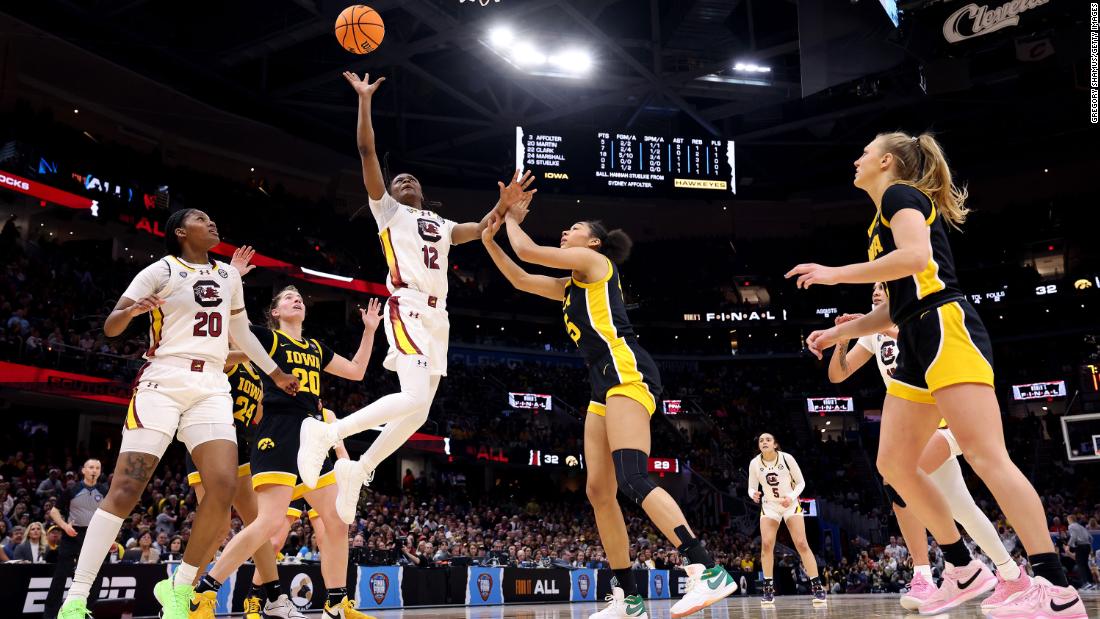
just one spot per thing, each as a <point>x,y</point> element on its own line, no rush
<point>894,496</point>
<point>631,471</point>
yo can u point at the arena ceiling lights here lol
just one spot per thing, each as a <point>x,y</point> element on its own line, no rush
<point>536,58</point>
<point>746,73</point>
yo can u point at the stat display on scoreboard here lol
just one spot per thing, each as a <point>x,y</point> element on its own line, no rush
<point>628,162</point>
<point>530,401</point>
<point>663,466</point>
<point>830,405</point>
<point>1039,391</point>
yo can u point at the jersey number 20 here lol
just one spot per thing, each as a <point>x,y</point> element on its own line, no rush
<point>207,323</point>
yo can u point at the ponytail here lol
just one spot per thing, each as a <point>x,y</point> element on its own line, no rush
<point>920,162</point>
<point>615,244</point>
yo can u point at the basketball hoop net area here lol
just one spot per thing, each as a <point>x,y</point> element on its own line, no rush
<point>1081,434</point>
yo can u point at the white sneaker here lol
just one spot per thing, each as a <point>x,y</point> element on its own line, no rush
<point>350,478</point>
<point>314,440</point>
<point>621,607</point>
<point>282,608</point>
<point>704,587</point>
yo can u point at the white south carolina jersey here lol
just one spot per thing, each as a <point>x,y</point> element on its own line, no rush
<point>193,323</point>
<point>780,478</point>
<point>885,350</point>
<point>417,244</point>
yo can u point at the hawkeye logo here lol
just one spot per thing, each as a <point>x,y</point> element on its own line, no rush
<point>265,444</point>
<point>561,176</point>
<point>116,588</point>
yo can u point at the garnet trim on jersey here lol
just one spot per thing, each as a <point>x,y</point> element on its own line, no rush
<point>400,334</point>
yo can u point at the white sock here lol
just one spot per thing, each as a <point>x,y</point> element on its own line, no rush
<point>98,540</point>
<point>924,570</point>
<point>397,433</point>
<point>415,378</point>
<point>185,575</point>
<point>948,478</point>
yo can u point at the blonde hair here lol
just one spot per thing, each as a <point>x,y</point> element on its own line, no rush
<point>272,321</point>
<point>43,545</point>
<point>920,162</point>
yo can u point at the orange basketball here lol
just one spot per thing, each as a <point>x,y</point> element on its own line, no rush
<point>359,29</point>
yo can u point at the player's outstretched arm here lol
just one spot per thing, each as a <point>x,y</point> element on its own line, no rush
<point>364,134</point>
<point>876,321</point>
<point>591,263</point>
<point>356,367</point>
<point>510,194</point>
<point>846,361</point>
<point>549,287</point>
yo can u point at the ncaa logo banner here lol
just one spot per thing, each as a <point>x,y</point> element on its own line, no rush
<point>658,585</point>
<point>379,587</point>
<point>582,585</point>
<point>483,586</point>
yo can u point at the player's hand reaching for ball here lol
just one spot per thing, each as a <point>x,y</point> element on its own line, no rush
<point>372,315</point>
<point>242,257</point>
<point>286,382</point>
<point>519,211</point>
<point>515,190</point>
<point>491,229</point>
<point>810,274</point>
<point>819,341</point>
<point>145,304</point>
<point>363,87</point>
<point>756,496</point>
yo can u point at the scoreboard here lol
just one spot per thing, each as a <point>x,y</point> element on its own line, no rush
<point>628,162</point>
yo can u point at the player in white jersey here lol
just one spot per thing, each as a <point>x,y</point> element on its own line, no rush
<point>781,481</point>
<point>939,460</point>
<point>195,305</point>
<point>417,243</point>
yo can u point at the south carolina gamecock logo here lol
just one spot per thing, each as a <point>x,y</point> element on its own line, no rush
<point>429,230</point>
<point>484,586</point>
<point>583,583</point>
<point>379,586</point>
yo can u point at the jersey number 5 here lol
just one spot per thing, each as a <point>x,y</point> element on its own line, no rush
<point>431,257</point>
<point>207,324</point>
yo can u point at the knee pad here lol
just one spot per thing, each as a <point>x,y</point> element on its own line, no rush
<point>895,498</point>
<point>631,472</point>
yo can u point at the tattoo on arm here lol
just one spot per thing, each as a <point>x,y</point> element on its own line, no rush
<point>139,466</point>
<point>842,350</point>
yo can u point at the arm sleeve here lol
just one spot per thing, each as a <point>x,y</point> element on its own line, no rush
<point>796,476</point>
<point>899,196</point>
<point>868,342</point>
<point>265,335</point>
<point>151,279</point>
<point>754,483</point>
<point>236,299</point>
<point>384,209</point>
<point>247,342</point>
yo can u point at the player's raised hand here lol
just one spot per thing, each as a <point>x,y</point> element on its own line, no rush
<point>363,87</point>
<point>145,304</point>
<point>286,382</point>
<point>819,341</point>
<point>242,258</point>
<point>491,228</point>
<point>519,210</point>
<point>810,274</point>
<point>372,315</point>
<point>516,189</point>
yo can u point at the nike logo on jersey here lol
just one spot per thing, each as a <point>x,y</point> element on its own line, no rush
<point>1060,607</point>
<point>970,581</point>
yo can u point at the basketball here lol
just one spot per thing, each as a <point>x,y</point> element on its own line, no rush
<point>359,29</point>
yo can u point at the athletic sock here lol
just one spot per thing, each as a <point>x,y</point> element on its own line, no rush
<point>924,570</point>
<point>272,590</point>
<point>956,554</point>
<point>625,578</point>
<point>335,596</point>
<point>1049,566</point>
<point>208,584</point>
<point>1009,570</point>
<point>185,575</point>
<point>949,479</point>
<point>98,539</point>
<point>692,548</point>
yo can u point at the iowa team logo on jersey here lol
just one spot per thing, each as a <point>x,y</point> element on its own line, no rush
<point>265,444</point>
<point>429,230</point>
<point>207,293</point>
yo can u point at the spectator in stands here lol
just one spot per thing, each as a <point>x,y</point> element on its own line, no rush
<point>33,549</point>
<point>175,550</point>
<point>14,540</point>
<point>143,552</point>
<point>1080,544</point>
<point>166,521</point>
<point>50,487</point>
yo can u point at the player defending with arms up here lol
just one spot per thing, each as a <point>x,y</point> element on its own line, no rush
<point>194,304</point>
<point>945,368</point>
<point>778,474</point>
<point>625,383</point>
<point>417,244</point>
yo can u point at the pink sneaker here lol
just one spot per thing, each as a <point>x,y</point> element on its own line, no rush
<point>1005,590</point>
<point>960,584</point>
<point>1042,600</point>
<point>920,589</point>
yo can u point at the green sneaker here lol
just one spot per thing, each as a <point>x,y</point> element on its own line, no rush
<point>74,608</point>
<point>174,599</point>
<point>704,587</point>
<point>635,606</point>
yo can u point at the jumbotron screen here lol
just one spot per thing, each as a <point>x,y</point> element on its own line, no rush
<point>1039,391</point>
<point>629,162</point>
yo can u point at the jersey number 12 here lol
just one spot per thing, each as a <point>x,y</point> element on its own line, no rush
<point>431,257</point>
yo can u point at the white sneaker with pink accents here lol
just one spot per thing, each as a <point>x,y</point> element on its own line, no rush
<point>920,589</point>
<point>1042,600</point>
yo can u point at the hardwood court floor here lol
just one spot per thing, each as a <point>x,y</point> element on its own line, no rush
<point>786,607</point>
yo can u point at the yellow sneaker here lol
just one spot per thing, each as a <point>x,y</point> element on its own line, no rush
<point>252,607</point>
<point>344,610</point>
<point>203,605</point>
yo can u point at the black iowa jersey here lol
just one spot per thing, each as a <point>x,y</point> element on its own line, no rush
<point>936,284</point>
<point>595,315</point>
<point>247,391</point>
<point>305,361</point>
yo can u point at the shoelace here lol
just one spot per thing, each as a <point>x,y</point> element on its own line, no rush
<point>691,583</point>
<point>610,599</point>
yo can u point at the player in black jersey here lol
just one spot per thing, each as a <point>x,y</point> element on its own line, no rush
<point>944,366</point>
<point>625,384</point>
<point>275,448</point>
